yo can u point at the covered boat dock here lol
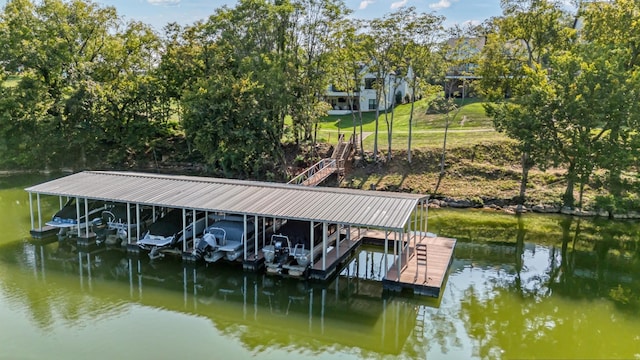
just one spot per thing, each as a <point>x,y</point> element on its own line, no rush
<point>353,214</point>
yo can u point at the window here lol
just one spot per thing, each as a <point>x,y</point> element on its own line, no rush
<point>369,83</point>
<point>372,104</point>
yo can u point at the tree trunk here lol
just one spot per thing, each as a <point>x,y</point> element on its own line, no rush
<point>361,140</point>
<point>444,150</point>
<point>523,181</point>
<point>413,101</point>
<point>353,121</point>
<point>375,134</point>
<point>390,124</point>
<point>568,199</point>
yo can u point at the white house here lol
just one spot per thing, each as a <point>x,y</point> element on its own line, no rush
<point>364,97</point>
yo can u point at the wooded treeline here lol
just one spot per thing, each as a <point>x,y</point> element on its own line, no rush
<point>93,89</point>
<point>566,86</point>
<point>84,88</point>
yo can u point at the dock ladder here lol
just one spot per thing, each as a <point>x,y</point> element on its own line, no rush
<point>421,260</point>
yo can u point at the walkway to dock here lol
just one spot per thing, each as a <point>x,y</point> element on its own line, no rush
<point>320,171</point>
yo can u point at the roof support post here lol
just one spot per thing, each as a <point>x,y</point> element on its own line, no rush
<point>137,225</point>
<point>409,234</point>
<point>386,251</point>
<point>426,216</point>
<point>39,211</point>
<point>255,235</point>
<point>129,222</point>
<point>244,239</point>
<point>312,241</point>
<point>184,229</point>
<point>194,230</point>
<point>60,201</point>
<point>324,246</point>
<point>78,215</point>
<point>31,209</point>
<point>86,218</point>
<point>338,241</point>
<point>264,232</point>
<point>400,248</point>
<point>395,252</point>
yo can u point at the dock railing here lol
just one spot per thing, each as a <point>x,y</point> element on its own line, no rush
<point>328,165</point>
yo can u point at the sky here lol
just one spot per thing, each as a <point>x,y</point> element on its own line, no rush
<point>158,13</point>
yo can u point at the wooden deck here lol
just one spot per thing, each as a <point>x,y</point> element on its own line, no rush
<point>335,257</point>
<point>319,176</point>
<point>413,276</point>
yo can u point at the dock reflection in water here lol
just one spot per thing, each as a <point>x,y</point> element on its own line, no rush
<point>348,312</point>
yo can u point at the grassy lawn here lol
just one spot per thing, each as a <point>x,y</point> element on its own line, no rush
<point>469,126</point>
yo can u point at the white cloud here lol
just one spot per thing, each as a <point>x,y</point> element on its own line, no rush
<point>398,4</point>
<point>164,2</point>
<point>442,4</point>
<point>365,3</point>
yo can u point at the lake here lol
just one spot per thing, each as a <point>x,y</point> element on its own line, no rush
<point>535,286</point>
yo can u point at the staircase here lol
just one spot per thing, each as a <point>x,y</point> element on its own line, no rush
<point>324,168</point>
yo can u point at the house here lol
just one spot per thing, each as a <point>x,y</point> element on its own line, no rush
<point>462,53</point>
<point>364,97</point>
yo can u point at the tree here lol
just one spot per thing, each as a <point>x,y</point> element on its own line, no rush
<point>101,99</point>
<point>346,68</point>
<point>423,62</point>
<point>311,34</point>
<point>234,114</point>
<point>609,37</point>
<point>528,34</point>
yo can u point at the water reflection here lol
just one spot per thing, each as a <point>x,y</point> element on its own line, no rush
<point>519,287</point>
<point>350,311</point>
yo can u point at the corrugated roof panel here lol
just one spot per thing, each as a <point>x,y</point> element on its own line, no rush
<point>348,206</point>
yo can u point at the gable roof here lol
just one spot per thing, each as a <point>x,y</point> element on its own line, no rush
<point>386,210</point>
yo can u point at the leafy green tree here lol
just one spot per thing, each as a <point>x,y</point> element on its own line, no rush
<point>423,62</point>
<point>347,67</point>
<point>234,114</point>
<point>94,71</point>
<point>527,35</point>
<point>311,34</point>
<point>609,36</point>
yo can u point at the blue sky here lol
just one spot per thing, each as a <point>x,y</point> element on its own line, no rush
<point>160,12</point>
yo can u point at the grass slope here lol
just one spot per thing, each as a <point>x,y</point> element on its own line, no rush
<point>481,164</point>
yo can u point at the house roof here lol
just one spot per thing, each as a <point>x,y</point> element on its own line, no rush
<point>385,210</point>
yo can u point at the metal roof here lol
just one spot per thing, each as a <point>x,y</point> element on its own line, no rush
<point>377,209</point>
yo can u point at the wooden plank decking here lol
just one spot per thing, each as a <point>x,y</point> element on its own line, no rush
<point>319,176</point>
<point>335,256</point>
<point>412,276</point>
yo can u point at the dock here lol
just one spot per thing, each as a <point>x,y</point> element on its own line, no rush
<point>43,232</point>
<point>347,217</point>
<point>424,278</point>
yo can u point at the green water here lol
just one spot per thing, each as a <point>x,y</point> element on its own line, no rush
<point>529,287</point>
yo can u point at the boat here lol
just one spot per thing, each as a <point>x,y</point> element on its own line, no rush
<point>115,229</point>
<point>224,239</point>
<point>167,232</point>
<point>289,252</point>
<point>68,221</point>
